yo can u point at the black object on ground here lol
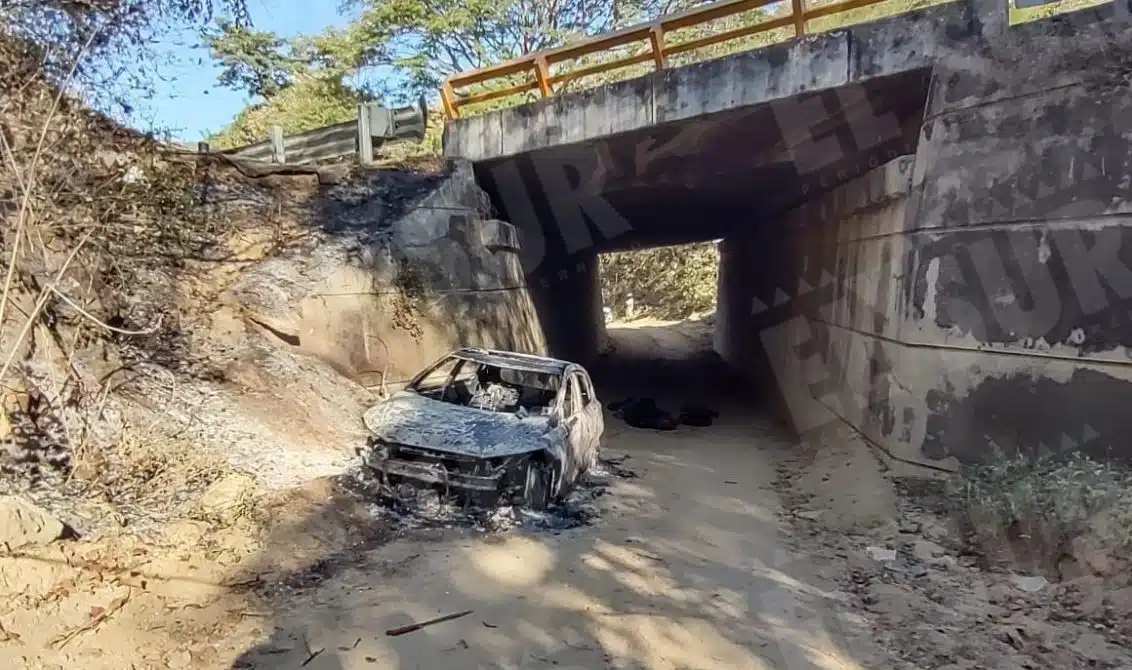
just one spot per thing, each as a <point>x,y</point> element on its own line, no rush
<point>417,626</point>
<point>643,413</point>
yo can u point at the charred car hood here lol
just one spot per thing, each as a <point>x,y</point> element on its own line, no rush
<point>417,421</point>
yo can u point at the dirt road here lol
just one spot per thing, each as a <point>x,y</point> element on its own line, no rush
<point>685,568</point>
<point>688,561</point>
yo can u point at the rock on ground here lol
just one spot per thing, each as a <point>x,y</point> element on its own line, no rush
<point>23,524</point>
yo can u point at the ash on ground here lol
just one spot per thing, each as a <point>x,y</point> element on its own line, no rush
<point>409,508</point>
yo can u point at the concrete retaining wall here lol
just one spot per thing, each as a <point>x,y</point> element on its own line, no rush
<point>970,300</point>
<point>403,268</point>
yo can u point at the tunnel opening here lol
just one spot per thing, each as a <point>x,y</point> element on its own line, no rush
<point>741,182</point>
<point>657,368</point>
<point>664,283</point>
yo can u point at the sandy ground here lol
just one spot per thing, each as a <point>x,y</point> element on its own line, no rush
<point>685,569</point>
<point>733,547</point>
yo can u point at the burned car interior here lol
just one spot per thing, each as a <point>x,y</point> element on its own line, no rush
<point>485,386</point>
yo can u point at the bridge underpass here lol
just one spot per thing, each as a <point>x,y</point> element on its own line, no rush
<point>922,222</point>
<point>728,174</point>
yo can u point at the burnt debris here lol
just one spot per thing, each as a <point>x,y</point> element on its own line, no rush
<point>406,507</point>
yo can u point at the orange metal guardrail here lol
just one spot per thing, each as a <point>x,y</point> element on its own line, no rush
<point>537,65</point>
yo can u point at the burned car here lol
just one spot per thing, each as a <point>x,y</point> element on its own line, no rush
<point>493,423</point>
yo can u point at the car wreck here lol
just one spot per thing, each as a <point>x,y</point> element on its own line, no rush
<point>493,425</point>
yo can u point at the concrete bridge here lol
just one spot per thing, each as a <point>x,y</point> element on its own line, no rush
<point>924,220</point>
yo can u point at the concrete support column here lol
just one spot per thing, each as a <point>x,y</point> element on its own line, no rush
<point>733,306</point>
<point>567,297</point>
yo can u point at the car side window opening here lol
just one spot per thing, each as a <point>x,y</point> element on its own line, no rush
<point>584,390</point>
<point>461,383</point>
<point>572,404</point>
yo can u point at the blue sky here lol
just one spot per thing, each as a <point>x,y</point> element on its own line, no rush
<point>189,101</point>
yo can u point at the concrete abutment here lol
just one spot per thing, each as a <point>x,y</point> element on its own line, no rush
<point>970,300</point>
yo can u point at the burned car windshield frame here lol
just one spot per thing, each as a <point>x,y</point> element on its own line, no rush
<point>546,378</point>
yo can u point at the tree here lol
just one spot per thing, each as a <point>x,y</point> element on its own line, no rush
<point>309,102</point>
<point>103,48</point>
<point>261,63</point>
<point>429,40</point>
<point>665,282</point>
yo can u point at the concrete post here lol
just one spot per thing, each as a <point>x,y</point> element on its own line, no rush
<point>277,154</point>
<point>365,136</point>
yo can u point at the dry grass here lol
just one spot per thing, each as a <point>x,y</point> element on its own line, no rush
<point>1033,513</point>
<point>143,466</point>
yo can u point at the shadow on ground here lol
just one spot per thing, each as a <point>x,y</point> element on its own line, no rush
<point>686,567</point>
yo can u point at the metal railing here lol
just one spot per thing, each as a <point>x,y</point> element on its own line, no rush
<point>536,67</point>
<point>314,146</point>
<point>373,126</point>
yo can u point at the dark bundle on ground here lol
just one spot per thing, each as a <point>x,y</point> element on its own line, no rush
<point>643,413</point>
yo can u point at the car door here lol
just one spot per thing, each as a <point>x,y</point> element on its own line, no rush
<point>594,418</point>
<point>573,419</point>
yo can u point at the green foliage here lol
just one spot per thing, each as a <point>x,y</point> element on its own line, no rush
<point>258,62</point>
<point>310,102</point>
<point>1045,11</point>
<point>422,41</point>
<point>1037,507</point>
<point>665,282</point>
<point>103,48</point>
<point>443,37</point>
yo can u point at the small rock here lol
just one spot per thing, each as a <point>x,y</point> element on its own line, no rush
<point>1120,601</point>
<point>5,424</point>
<point>330,175</point>
<point>22,524</point>
<point>179,659</point>
<point>909,526</point>
<point>1094,647</point>
<point>1029,584</point>
<point>228,492</point>
<point>913,570</point>
<point>926,551</point>
<point>809,514</point>
<point>946,562</point>
<point>881,553</point>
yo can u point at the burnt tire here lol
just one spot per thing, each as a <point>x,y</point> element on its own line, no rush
<point>536,490</point>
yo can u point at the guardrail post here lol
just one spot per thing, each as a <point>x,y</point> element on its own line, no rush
<point>448,100</point>
<point>542,76</point>
<point>656,39</point>
<point>365,137</point>
<point>799,14</point>
<point>277,149</point>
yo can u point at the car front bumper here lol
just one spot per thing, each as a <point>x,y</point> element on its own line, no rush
<point>435,473</point>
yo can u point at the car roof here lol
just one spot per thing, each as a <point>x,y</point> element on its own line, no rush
<point>514,360</point>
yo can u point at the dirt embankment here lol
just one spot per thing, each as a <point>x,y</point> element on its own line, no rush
<point>943,593</point>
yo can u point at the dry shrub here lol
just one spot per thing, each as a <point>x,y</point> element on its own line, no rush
<point>665,282</point>
<point>102,226</point>
<point>1036,513</point>
<point>143,466</point>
